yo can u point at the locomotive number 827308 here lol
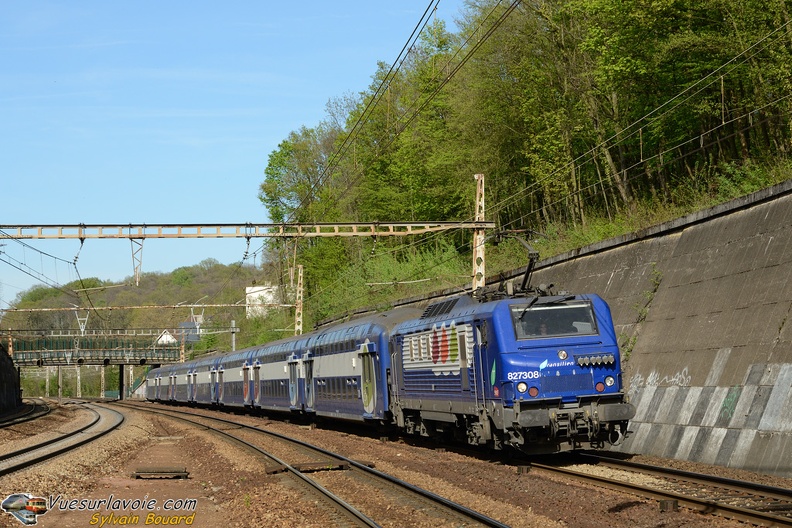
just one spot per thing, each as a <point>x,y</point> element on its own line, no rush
<point>523,375</point>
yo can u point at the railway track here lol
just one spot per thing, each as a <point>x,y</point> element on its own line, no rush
<point>340,481</point>
<point>749,502</point>
<point>104,421</point>
<point>33,409</point>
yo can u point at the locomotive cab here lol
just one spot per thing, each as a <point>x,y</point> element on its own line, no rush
<point>561,382</point>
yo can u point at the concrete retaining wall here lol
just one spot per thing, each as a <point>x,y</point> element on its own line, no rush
<point>703,306</point>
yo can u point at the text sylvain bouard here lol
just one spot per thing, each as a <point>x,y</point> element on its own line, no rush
<point>151,519</point>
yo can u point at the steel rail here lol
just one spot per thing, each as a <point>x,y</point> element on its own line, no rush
<point>696,478</point>
<point>347,508</point>
<point>425,494</point>
<point>26,416</point>
<point>64,436</point>
<point>694,503</point>
<point>35,459</point>
<point>456,507</point>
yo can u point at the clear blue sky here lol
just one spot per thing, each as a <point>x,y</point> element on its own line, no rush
<point>165,113</point>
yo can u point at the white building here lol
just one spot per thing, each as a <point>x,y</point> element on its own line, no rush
<point>256,296</point>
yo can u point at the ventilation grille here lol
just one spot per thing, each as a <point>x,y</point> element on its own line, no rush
<point>440,308</point>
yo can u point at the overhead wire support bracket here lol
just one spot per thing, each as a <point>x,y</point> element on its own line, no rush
<point>137,258</point>
<point>82,321</point>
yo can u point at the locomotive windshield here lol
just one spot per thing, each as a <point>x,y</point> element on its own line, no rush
<point>550,320</point>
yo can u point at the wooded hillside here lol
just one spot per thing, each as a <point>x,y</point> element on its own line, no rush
<point>588,118</point>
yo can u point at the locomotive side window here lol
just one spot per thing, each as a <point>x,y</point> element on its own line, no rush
<point>552,320</point>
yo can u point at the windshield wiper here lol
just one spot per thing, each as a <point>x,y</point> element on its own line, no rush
<point>530,303</point>
<point>561,300</point>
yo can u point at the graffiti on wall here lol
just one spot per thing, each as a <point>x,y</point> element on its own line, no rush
<point>638,382</point>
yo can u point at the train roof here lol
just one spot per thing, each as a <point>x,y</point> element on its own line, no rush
<point>398,320</point>
<point>355,329</point>
<point>463,306</point>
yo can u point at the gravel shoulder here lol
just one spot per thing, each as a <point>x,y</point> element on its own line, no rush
<point>229,488</point>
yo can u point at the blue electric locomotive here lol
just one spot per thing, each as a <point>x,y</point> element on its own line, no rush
<point>533,370</point>
<point>541,374</point>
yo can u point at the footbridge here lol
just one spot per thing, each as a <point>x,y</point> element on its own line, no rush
<point>132,347</point>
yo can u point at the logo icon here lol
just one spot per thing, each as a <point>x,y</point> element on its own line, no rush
<point>25,507</point>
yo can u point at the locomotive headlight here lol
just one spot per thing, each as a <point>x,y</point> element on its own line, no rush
<point>562,355</point>
<point>609,381</point>
<point>522,387</point>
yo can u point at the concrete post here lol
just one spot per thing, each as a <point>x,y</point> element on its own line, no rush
<point>479,275</point>
<point>298,303</point>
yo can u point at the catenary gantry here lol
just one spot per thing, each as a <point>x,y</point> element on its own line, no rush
<point>249,230</point>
